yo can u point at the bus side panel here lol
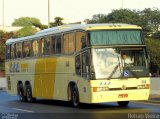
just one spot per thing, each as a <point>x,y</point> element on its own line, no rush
<point>84,90</point>
<point>64,71</point>
<point>21,70</point>
<point>44,79</point>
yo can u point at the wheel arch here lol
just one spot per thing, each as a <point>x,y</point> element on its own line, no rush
<point>19,83</point>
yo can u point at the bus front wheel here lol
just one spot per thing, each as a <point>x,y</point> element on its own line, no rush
<point>123,103</point>
<point>74,96</point>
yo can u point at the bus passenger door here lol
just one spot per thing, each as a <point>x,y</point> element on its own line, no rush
<point>83,70</point>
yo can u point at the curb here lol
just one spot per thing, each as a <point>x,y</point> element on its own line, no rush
<point>150,102</point>
<point>154,98</point>
<point>154,101</point>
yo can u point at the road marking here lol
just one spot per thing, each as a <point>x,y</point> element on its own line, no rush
<point>23,110</point>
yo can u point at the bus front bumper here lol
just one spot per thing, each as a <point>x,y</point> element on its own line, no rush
<point>123,95</point>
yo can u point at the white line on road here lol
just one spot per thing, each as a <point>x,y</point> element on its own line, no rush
<point>23,110</point>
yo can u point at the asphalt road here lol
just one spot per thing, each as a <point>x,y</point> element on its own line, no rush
<point>12,108</point>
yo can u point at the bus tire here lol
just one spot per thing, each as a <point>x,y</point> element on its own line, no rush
<point>20,92</point>
<point>74,96</point>
<point>29,94</point>
<point>123,103</point>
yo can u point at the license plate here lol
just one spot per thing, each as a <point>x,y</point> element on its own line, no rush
<point>122,95</point>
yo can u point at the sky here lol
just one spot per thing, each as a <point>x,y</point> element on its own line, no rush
<point>70,10</point>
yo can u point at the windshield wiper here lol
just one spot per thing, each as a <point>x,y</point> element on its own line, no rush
<point>115,69</point>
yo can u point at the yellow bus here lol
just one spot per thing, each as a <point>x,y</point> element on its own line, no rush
<point>80,63</point>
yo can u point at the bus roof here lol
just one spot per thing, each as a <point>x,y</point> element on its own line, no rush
<point>70,27</point>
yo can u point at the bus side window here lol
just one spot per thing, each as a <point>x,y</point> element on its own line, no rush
<point>35,48</point>
<point>65,43</point>
<point>26,49</point>
<point>12,51</point>
<point>53,44</point>
<point>58,44</point>
<point>42,46</point>
<point>71,42</point>
<point>81,41</point>
<point>68,43</point>
<point>78,65</point>
<point>46,46</point>
<point>18,50</point>
<point>8,51</point>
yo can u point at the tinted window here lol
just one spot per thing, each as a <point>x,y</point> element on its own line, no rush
<point>13,51</point>
<point>81,41</point>
<point>26,49</point>
<point>8,51</point>
<point>46,45</point>
<point>18,50</point>
<point>53,47</point>
<point>58,44</point>
<point>68,43</point>
<point>115,37</point>
<point>35,48</point>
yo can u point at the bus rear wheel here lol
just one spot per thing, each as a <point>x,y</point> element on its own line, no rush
<point>123,103</point>
<point>20,92</point>
<point>74,96</point>
<point>29,94</point>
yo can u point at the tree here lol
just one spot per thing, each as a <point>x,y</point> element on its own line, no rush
<point>27,21</point>
<point>116,16</point>
<point>150,21</point>
<point>26,31</point>
<point>123,16</point>
<point>98,18</point>
<point>44,27</point>
<point>156,35</point>
<point>2,57</point>
<point>152,18</point>
<point>57,22</point>
<point>3,37</point>
<point>154,48</point>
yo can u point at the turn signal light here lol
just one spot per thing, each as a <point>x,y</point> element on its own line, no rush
<point>98,89</point>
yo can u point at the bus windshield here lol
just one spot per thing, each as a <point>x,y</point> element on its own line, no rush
<point>115,37</point>
<point>119,63</point>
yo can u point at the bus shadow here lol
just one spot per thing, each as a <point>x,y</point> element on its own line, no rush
<point>12,101</point>
<point>53,102</point>
<point>101,107</point>
<point>81,106</point>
